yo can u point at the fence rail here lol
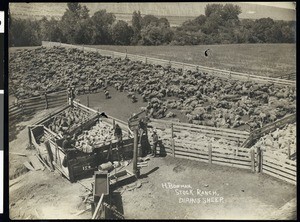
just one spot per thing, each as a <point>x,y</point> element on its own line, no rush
<point>46,101</point>
<point>184,66</point>
<point>228,134</point>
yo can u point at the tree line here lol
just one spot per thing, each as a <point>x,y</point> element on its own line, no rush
<point>220,24</point>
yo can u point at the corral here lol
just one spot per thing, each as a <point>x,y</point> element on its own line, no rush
<point>209,144</point>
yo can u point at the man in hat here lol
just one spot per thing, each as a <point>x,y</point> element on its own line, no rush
<point>68,142</point>
<point>155,142</point>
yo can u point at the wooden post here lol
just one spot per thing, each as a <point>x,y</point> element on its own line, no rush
<point>46,100</point>
<point>114,123</point>
<point>98,207</point>
<point>146,60</point>
<point>210,153</point>
<point>29,136</point>
<point>252,153</point>
<point>172,139</point>
<point>135,150</point>
<point>289,151</point>
<point>259,159</point>
<point>22,107</point>
<point>88,101</point>
<point>50,155</point>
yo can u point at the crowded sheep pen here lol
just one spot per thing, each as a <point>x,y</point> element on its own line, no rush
<point>190,114</point>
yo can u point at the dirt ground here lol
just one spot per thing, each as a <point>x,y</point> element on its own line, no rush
<point>241,194</point>
<point>245,195</point>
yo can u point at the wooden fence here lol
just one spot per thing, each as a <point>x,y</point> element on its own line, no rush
<point>46,101</point>
<point>258,133</point>
<point>267,162</point>
<point>281,168</point>
<point>180,65</point>
<point>219,133</point>
<point>289,76</point>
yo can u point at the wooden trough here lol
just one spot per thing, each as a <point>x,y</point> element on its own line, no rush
<point>76,164</point>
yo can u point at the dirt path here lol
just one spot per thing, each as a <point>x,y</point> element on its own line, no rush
<point>246,195</point>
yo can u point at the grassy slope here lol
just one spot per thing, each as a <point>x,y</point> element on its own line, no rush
<point>259,59</point>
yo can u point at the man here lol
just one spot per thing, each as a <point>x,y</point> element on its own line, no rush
<point>155,142</point>
<point>71,95</point>
<point>68,143</point>
<point>118,135</point>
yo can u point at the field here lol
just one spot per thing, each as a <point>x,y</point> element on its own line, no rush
<point>259,59</point>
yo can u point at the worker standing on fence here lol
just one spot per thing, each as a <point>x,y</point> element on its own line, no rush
<point>71,95</point>
<point>155,142</point>
<point>118,135</point>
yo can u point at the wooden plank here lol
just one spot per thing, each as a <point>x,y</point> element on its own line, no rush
<point>280,163</point>
<point>231,156</point>
<point>280,177</point>
<point>212,131</point>
<point>231,161</point>
<point>210,154</point>
<point>60,170</point>
<point>231,152</point>
<point>216,136</point>
<point>31,99</point>
<point>191,155</point>
<point>59,99</point>
<point>184,142</point>
<point>97,210</point>
<point>278,172</point>
<point>191,158</point>
<point>195,151</point>
<point>283,168</point>
<point>36,163</point>
<point>35,102</point>
<point>253,160</point>
<point>219,162</point>
<point>35,107</point>
<point>56,103</point>
<point>201,127</point>
<point>84,107</point>
<point>28,166</point>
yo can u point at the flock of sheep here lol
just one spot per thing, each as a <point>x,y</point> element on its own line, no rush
<point>280,140</point>
<point>204,99</point>
<point>66,120</point>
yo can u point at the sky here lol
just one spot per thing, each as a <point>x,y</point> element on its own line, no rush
<point>289,5</point>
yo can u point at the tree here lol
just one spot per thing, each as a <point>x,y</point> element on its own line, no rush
<point>122,33</point>
<point>149,19</point>
<point>136,26</point>
<point>24,32</point>
<point>213,9</point>
<point>164,21</point>
<point>74,7</point>
<point>50,30</point>
<point>262,28</point>
<point>84,31</point>
<point>156,35</point>
<point>102,22</point>
<point>72,20</point>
